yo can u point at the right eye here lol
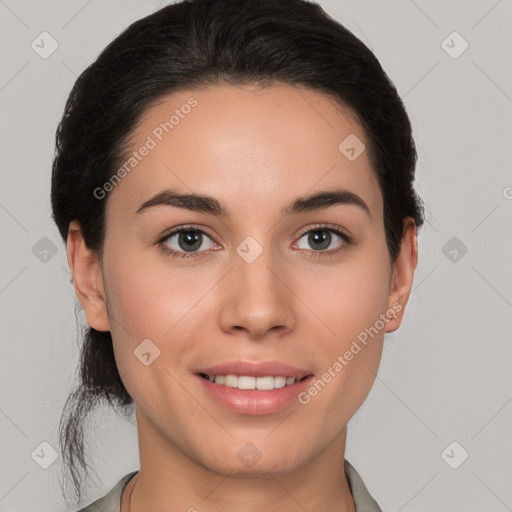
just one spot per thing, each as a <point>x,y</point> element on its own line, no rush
<point>186,242</point>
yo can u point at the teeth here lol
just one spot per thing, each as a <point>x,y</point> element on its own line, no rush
<point>280,382</point>
<point>231,381</point>
<point>265,383</point>
<point>246,382</point>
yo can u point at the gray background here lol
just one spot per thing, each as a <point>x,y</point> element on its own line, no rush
<point>445,375</point>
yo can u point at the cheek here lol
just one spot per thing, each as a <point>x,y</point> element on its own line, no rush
<point>349,297</point>
<point>350,301</point>
<point>150,293</point>
<point>153,300</point>
<point>148,302</point>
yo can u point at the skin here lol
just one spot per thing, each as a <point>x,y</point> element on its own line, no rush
<point>255,150</point>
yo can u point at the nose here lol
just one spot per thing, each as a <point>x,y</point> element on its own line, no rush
<point>256,295</point>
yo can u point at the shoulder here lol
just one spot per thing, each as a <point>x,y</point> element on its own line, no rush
<point>111,502</point>
<point>362,498</point>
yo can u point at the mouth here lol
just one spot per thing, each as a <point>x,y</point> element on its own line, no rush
<point>254,388</point>
<point>248,382</point>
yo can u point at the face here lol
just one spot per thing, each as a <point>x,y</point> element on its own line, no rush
<point>259,280</point>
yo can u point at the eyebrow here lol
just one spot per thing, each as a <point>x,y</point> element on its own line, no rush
<point>208,204</point>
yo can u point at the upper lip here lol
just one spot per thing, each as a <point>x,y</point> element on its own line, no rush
<point>253,369</point>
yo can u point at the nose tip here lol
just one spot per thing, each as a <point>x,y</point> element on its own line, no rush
<point>256,300</point>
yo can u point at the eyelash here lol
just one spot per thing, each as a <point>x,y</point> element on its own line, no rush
<point>316,254</point>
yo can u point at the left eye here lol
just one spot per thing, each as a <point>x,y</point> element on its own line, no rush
<point>321,238</point>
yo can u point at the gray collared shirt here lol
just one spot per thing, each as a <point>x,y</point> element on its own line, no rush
<point>111,502</point>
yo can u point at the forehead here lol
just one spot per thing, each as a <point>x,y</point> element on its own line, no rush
<point>248,146</point>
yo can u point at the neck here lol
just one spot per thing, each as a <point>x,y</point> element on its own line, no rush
<point>169,480</point>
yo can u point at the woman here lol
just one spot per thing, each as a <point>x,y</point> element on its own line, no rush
<point>234,182</point>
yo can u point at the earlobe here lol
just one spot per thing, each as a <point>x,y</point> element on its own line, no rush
<point>87,279</point>
<point>403,274</point>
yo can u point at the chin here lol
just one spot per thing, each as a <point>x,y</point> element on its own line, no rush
<point>252,462</point>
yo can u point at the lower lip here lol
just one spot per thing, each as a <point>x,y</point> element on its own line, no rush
<point>254,402</point>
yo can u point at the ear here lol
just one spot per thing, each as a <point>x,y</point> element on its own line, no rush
<point>403,273</point>
<point>87,279</point>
